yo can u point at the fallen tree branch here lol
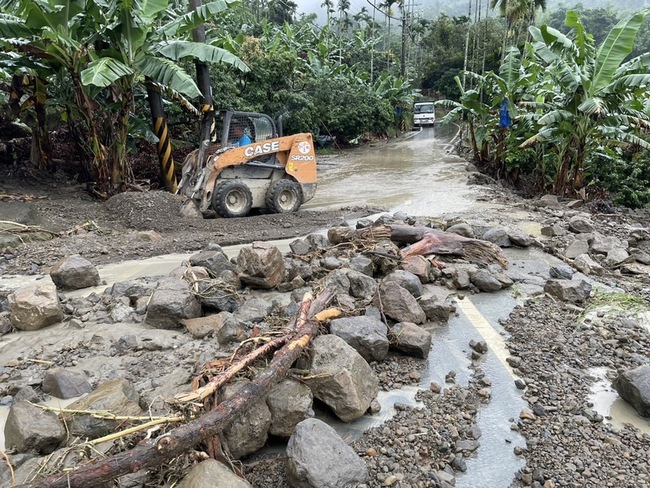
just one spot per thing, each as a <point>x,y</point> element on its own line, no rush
<point>218,381</point>
<point>424,241</point>
<point>17,228</point>
<point>157,451</point>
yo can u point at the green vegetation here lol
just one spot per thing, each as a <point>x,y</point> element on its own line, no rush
<point>621,304</point>
<point>573,81</point>
<point>89,67</point>
<point>578,112</point>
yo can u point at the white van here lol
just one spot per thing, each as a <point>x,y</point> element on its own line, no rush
<point>424,113</point>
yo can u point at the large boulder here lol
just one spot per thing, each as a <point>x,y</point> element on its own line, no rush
<point>74,272</point>
<point>261,265</point>
<point>33,307</point>
<point>361,285</point>
<point>519,238</point>
<point>581,224</point>
<point>587,265</point>
<point>437,303</point>
<point>338,281</point>
<point>615,257</point>
<point>398,303</point>
<point>215,261</point>
<point>201,327</point>
<point>341,378</point>
<point>317,457</point>
<point>406,280</point>
<point>485,281</point>
<point>603,244</point>
<point>118,397</point>
<point>65,383</point>
<point>253,310</point>
<point>290,403</point>
<point>572,291</point>
<point>633,385</point>
<point>249,431</point>
<point>170,303</point>
<point>367,335</point>
<point>411,339</point>
<point>362,264</point>
<point>210,474</point>
<point>29,428</point>
<point>231,329</point>
<point>498,236</point>
<point>218,294</point>
<point>133,289</point>
<point>419,266</point>
<point>577,247</point>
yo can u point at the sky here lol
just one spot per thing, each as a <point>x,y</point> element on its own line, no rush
<point>432,8</point>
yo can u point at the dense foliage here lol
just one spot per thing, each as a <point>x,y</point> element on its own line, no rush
<point>577,113</point>
<point>575,87</point>
<point>97,67</point>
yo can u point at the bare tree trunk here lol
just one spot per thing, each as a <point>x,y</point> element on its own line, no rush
<point>157,451</point>
<point>469,30</point>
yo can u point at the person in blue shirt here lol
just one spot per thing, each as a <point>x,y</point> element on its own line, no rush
<point>239,137</point>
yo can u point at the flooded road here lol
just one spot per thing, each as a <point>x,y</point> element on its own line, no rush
<point>417,174</point>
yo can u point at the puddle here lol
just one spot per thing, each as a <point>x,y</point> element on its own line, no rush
<point>531,228</point>
<point>613,408</point>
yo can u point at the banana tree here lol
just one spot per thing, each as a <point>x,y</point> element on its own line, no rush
<point>597,100</point>
<point>105,49</point>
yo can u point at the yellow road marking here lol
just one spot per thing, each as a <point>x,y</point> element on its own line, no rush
<point>494,340</point>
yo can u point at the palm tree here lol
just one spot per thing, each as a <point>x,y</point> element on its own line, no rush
<point>591,100</point>
<point>329,9</point>
<point>519,14</point>
<point>388,13</point>
<point>344,21</point>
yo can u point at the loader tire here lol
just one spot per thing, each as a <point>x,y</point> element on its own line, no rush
<point>232,198</point>
<point>284,196</point>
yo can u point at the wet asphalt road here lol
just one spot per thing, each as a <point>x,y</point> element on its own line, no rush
<point>417,174</point>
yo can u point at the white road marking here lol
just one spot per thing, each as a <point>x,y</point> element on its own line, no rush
<point>494,340</point>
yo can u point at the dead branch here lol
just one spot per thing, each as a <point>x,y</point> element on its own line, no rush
<point>157,451</point>
<point>16,228</point>
<point>218,381</point>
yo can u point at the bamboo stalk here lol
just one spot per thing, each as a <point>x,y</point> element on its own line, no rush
<point>133,430</point>
<point>157,451</point>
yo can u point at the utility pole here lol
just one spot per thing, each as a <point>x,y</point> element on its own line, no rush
<point>372,47</point>
<point>404,33</point>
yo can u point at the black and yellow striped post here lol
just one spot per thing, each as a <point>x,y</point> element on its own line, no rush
<point>203,82</point>
<point>161,130</point>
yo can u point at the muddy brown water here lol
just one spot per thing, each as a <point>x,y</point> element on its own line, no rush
<point>417,174</point>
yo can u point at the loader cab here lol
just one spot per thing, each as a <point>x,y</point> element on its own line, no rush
<point>259,127</point>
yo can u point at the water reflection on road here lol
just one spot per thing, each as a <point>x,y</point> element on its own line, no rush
<point>417,174</point>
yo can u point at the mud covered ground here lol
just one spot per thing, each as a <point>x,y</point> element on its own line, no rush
<point>130,225</point>
<point>558,348</point>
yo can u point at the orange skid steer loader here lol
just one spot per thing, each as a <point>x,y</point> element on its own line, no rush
<point>262,169</point>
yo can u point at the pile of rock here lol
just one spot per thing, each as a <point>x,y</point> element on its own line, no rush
<point>593,247</point>
<point>141,341</point>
